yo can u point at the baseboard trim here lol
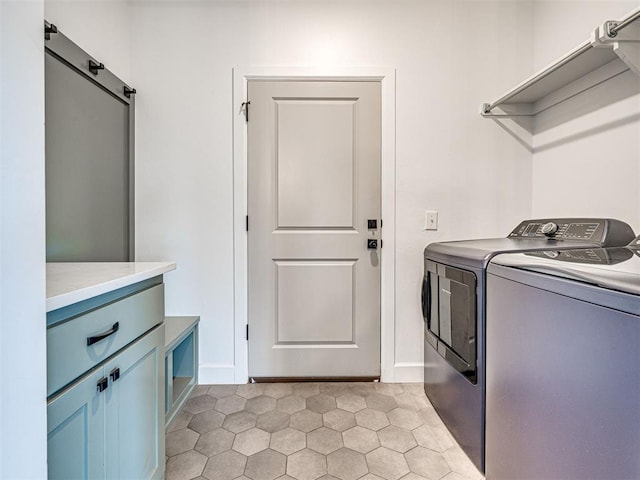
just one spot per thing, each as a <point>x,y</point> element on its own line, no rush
<point>408,372</point>
<point>214,374</point>
<point>313,379</point>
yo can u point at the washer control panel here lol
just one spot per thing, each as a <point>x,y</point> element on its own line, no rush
<point>601,231</point>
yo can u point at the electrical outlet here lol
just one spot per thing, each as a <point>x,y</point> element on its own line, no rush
<point>430,220</point>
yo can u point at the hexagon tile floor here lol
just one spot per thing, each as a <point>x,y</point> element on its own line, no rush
<point>309,431</point>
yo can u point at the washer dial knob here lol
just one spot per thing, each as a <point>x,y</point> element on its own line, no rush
<point>549,229</point>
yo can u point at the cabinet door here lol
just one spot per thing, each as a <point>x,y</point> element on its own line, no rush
<point>134,410</point>
<point>75,431</point>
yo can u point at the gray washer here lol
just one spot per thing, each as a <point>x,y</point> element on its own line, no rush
<point>563,358</point>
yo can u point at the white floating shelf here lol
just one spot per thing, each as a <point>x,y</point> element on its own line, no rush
<point>613,49</point>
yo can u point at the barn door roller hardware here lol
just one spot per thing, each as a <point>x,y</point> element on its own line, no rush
<point>49,28</point>
<point>129,91</point>
<point>94,67</point>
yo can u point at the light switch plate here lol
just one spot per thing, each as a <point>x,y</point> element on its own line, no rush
<point>430,220</point>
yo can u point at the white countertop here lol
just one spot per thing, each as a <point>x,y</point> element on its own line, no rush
<point>69,283</point>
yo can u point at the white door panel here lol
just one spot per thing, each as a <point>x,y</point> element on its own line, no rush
<point>303,315</point>
<point>314,181</point>
<point>324,139</point>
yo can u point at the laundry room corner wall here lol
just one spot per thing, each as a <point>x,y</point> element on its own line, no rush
<point>23,359</point>
<point>449,56</point>
<point>586,157</point>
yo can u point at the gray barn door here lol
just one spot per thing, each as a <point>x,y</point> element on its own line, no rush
<point>87,168</point>
<point>314,182</point>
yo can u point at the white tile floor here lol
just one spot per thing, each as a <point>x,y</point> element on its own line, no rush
<point>309,431</point>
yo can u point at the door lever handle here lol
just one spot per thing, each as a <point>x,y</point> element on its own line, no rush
<point>372,243</point>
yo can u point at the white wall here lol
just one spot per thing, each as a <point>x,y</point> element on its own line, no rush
<point>586,159</point>
<point>449,56</point>
<point>101,27</point>
<point>23,379</point>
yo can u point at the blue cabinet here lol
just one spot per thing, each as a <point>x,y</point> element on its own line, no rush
<point>134,410</point>
<point>109,422</point>
<point>75,426</point>
<point>69,354</point>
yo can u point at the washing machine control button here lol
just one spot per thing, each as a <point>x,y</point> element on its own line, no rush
<point>549,229</point>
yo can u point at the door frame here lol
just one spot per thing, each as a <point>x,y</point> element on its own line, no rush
<point>387,78</point>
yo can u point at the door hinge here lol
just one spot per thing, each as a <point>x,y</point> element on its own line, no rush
<point>245,108</point>
<point>247,332</point>
<point>246,222</point>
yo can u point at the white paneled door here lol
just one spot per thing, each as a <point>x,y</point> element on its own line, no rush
<point>314,182</point>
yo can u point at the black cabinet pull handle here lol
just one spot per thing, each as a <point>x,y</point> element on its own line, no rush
<point>103,384</point>
<point>114,374</point>
<point>102,336</point>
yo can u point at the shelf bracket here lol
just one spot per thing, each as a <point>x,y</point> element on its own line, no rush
<point>511,111</point>
<point>625,43</point>
<point>485,109</point>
